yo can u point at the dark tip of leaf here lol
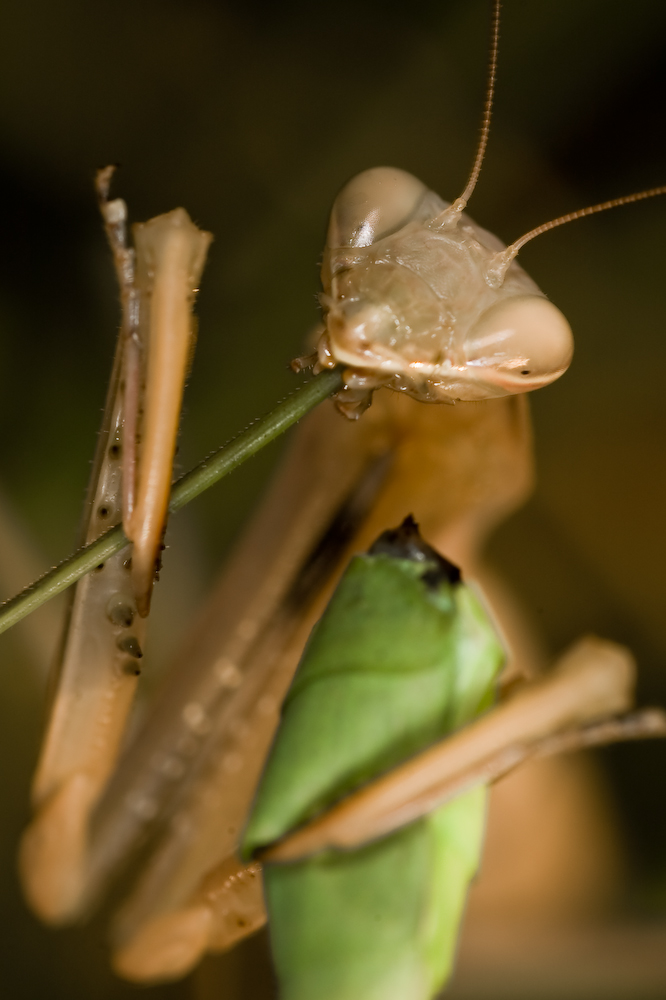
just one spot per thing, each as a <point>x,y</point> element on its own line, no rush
<point>405,542</point>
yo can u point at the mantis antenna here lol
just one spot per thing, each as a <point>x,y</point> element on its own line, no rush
<point>455,210</point>
<point>450,216</point>
<point>498,269</point>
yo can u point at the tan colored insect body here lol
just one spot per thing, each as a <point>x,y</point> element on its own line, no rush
<point>234,673</point>
<point>417,298</point>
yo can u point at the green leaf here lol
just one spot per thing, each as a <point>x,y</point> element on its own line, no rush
<point>403,654</point>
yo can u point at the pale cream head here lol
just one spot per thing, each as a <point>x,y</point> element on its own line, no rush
<point>412,299</point>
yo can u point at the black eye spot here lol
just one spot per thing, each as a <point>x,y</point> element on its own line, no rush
<point>128,563</point>
<point>114,451</point>
<point>130,644</point>
<point>103,512</point>
<point>131,667</point>
<point>525,371</point>
<point>98,569</point>
<point>121,614</point>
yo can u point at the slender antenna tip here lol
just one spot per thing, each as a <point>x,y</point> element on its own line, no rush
<point>487,107</point>
<point>504,258</point>
<point>449,217</point>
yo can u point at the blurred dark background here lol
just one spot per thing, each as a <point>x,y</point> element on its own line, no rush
<point>252,115</point>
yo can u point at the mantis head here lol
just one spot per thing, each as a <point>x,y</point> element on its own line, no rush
<point>418,297</point>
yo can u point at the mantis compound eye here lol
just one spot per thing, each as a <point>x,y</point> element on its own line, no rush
<point>372,205</point>
<point>521,343</point>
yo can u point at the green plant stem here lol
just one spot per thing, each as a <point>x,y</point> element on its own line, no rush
<point>215,467</point>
